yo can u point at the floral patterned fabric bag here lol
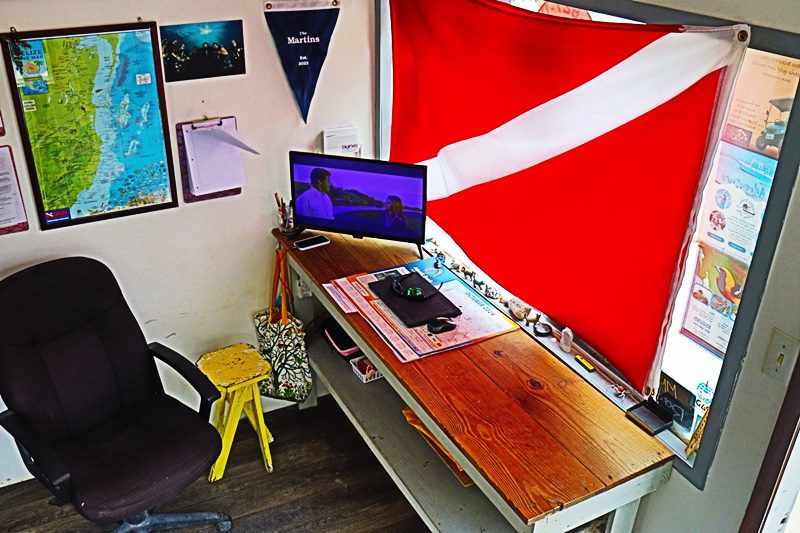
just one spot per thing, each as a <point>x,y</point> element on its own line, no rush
<point>282,342</point>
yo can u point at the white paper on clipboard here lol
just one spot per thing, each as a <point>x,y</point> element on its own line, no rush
<point>212,151</point>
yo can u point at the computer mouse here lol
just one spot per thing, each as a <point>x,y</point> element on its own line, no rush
<point>441,325</point>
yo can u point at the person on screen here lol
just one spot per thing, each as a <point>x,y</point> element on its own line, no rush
<point>393,217</point>
<point>315,202</point>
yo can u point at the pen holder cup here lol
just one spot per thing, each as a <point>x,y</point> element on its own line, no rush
<point>286,220</point>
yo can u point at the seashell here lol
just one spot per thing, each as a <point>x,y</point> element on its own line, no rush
<point>518,308</point>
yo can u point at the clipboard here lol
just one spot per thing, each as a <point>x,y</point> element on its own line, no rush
<point>183,159</point>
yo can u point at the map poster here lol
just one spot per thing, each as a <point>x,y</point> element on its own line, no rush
<point>90,103</point>
<point>714,300</point>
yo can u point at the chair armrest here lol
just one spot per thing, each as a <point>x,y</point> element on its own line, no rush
<point>208,392</point>
<point>40,459</point>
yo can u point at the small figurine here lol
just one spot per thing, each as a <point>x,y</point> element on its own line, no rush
<point>618,390</point>
<point>491,293</point>
<point>440,260</point>
<point>532,318</point>
<point>565,343</point>
<point>478,284</point>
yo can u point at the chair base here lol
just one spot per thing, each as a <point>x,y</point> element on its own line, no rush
<point>145,522</point>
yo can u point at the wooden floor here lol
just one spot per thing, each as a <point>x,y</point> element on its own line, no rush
<point>325,479</point>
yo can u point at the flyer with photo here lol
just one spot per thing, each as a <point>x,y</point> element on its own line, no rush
<point>735,200</point>
<point>714,299</point>
<point>761,103</point>
<point>736,194</point>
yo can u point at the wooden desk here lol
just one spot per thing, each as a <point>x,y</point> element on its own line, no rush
<point>547,450</point>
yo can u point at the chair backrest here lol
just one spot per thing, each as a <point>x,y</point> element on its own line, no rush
<point>71,352</point>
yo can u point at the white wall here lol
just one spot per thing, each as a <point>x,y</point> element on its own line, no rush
<point>194,275</point>
<point>679,507</point>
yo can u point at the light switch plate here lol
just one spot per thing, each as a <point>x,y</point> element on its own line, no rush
<point>781,356</point>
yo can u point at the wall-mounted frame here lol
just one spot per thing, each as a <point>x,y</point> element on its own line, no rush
<point>92,118</point>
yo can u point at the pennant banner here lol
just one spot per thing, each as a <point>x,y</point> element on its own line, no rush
<point>564,156</point>
<point>302,32</point>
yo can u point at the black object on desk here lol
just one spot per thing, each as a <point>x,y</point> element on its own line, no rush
<point>414,313</point>
<point>339,339</point>
<point>650,416</point>
<point>441,325</point>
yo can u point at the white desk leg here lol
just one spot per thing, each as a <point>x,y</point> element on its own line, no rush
<point>623,518</point>
<point>305,309</point>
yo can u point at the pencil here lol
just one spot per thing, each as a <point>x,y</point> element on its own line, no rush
<point>278,200</point>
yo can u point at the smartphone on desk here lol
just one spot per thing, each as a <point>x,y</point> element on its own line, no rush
<point>311,242</point>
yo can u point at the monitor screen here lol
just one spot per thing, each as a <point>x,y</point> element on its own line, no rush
<point>361,197</point>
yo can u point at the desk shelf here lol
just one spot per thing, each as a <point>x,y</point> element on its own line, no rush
<point>375,410</point>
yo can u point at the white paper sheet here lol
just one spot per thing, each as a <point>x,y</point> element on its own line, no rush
<point>12,211</point>
<point>233,140</point>
<point>338,296</point>
<point>212,151</point>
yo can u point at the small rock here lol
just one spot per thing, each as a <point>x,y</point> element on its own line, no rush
<point>518,308</point>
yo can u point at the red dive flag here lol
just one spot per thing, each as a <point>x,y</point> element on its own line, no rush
<point>564,155</point>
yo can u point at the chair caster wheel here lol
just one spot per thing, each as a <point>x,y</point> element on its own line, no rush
<point>224,525</point>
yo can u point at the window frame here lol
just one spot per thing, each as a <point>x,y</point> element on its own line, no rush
<point>762,38</point>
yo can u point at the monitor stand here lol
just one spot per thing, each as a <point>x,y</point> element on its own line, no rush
<point>419,246</point>
<point>293,234</point>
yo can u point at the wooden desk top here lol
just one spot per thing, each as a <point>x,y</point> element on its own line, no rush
<point>540,435</point>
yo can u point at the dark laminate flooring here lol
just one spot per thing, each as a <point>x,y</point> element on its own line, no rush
<point>325,479</point>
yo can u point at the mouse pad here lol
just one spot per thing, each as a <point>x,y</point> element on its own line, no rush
<point>414,314</point>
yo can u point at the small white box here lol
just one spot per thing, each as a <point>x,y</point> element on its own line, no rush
<point>341,140</point>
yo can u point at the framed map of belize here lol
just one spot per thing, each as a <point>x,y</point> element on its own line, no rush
<point>90,104</point>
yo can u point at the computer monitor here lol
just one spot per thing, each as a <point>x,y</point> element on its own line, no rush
<point>359,197</point>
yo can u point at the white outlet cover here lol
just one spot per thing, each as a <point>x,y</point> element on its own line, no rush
<point>781,344</point>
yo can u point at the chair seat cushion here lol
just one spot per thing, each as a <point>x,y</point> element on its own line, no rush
<point>138,459</point>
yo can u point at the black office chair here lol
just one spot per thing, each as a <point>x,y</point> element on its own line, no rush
<point>85,402</point>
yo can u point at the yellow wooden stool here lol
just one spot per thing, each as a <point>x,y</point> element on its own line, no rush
<point>236,371</point>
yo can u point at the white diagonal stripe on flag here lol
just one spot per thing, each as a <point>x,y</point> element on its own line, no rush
<point>654,75</point>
